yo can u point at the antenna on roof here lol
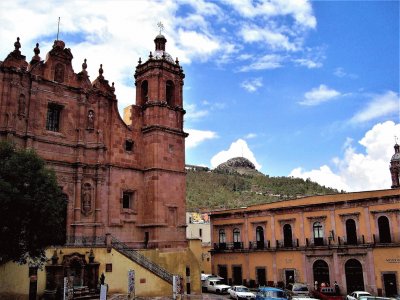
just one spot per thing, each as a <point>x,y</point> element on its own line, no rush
<point>58,27</point>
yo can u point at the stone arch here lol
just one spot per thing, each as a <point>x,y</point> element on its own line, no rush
<point>144,91</point>
<point>287,236</point>
<point>59,71</point>
<point>354,275</point>
<point>384,230</point>
<point>169,92</point>
<point>321,271</point>
<point>351,232</point>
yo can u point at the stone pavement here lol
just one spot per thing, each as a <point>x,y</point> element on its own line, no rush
<point>204,296</point>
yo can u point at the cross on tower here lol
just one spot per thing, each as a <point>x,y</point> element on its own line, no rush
<point>160,26</point>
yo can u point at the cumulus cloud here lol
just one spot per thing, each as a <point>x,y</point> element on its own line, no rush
<point>299,10</point>
<point>310,64</point>
<point>356,171</point>
<point>268,61</point>
<point>386,104</point>
<point>274,39</point>
<point>319,95</point>
<point>197,137</point>
<point>193,113</point>
<point>341,73</point>
<point>236,149</point>
<point>252,85</point>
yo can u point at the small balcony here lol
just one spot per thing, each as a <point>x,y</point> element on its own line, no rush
<point>228,246</point>
<point>259,245</point>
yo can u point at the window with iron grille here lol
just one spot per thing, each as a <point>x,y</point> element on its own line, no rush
<point>53,117</point>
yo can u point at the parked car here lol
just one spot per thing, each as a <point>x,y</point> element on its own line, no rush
<point>297,289</point>
<point>240,292</point>
<point>269,293</point>
<point>374,298</point>
<point>357,294</point>
<point>327,293</point>
<point>214,285</point>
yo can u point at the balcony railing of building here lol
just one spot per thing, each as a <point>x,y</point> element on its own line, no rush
<point>228,246</point>
<point>260,245</point>
<point>331,241</point>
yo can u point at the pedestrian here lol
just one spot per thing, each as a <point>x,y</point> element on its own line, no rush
<point>337,289</point>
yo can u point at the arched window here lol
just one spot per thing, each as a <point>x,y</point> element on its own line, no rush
<point>222,238</point>
<point>169,92</point>
<point>260,237</point>
<point>59,73</point>
<point>236,235</point>
<point>354,276</point>
<point>318,234</point>
<point>351,232</point>
<point>287,236</point>
<point>236,238</point>
<point>321,271</point>
<point>384,230</point>
<point>145,91</point>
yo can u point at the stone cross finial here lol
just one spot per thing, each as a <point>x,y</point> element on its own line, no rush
<point>160,26</point>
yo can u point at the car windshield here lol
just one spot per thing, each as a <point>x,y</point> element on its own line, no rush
<point>272,294</point>
<point>242,289</point>
<point>300,289</point>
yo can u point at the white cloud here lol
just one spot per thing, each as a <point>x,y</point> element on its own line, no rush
<point>237,149</point>
<point>193,113</point>
<point>300,10</point>
<point>269,61</point>
<point>340,72</point>
<point>252,85</point>
<point>359,171</point>
<point>250,136</point>
<point>197,137</point>
<point>272,37</point>
<point>319,95</point>
<point>387,104</point>
<point>305,62</point>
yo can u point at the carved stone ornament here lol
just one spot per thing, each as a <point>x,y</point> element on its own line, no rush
<point>87,199</point>
<point>59,73</point>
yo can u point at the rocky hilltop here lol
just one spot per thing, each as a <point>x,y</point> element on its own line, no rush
<point>236,183</point>
<point>239,165</point>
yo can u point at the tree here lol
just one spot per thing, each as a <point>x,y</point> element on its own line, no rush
<point>32,206</point>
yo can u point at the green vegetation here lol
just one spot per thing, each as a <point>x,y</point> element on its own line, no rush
<point>33,209</point>
<point>216,190</point>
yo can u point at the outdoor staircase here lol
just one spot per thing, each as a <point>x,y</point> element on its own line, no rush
<point>83,293</point>
<point>141,260</point>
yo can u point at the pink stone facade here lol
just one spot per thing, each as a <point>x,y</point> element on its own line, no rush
<point>121,179</point>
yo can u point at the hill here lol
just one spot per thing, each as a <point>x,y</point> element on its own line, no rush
<point>237,183</point>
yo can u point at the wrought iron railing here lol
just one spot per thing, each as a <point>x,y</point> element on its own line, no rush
<point>141,260</point>
<point>85,241</point>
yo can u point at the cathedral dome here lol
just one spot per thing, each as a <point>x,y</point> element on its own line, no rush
<point>396,155</point>
<point>160,52</point>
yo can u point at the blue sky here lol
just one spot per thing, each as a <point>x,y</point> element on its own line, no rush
<point>306,89</point>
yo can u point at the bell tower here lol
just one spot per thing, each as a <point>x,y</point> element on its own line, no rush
<point>395,167</point>
<point>159,85</point>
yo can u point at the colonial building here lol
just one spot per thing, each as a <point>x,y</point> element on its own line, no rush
<point>350,238</point>
<point>124,180</point>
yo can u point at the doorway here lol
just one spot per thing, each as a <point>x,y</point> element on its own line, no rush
<point>261,277</point>
<point>223,272</point>
<point>390,284</point>
<point>354,276</point>
<point>321,271</point>
<point>237,275</point>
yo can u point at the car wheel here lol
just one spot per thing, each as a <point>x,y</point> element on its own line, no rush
<point>217,291</point>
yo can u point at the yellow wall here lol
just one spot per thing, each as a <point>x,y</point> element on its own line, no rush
<point>386,260</point>
<point>14,279</point>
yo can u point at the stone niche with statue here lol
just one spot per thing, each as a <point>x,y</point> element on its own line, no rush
<point>81,275</point>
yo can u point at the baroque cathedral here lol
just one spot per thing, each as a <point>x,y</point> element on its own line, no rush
<point>123,179</point>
